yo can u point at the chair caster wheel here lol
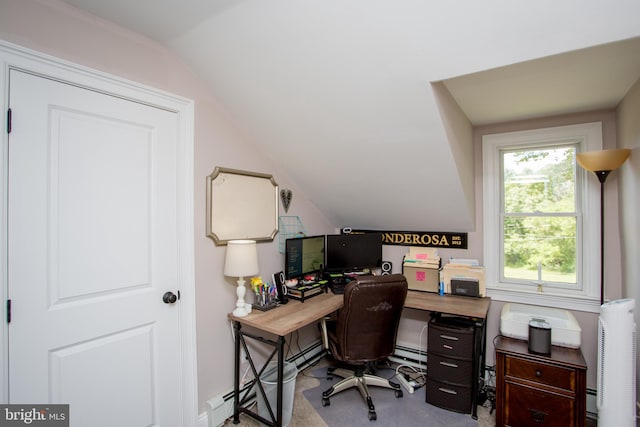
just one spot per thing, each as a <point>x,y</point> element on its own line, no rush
<point>399,394</point>
<point>326,402</point>
<point>372,416</point>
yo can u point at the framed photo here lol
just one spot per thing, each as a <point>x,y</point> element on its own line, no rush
<point>241,205</point>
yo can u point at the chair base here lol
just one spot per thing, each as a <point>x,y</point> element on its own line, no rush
<point>361,380</point>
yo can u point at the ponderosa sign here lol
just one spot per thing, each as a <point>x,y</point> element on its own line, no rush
<point>437,239</point>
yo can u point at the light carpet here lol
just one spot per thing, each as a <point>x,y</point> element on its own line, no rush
<point>350,411</point>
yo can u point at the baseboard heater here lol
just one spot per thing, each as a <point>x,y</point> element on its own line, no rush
<point>409,356</point>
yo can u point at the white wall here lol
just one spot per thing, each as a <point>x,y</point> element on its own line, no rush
<point>56,29</point>
<point>628,121</point>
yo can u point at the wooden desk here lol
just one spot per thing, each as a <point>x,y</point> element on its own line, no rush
<point>472,308</point>
<point>290,317</point>
<point>280,321</point>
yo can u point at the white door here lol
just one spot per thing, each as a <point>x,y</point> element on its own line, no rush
<point>92,249</point>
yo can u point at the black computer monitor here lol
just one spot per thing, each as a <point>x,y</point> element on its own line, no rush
<point>303,255</point>
<point>353,252</point>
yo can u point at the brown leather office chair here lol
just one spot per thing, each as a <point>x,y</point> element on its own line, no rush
<point>364,333</point>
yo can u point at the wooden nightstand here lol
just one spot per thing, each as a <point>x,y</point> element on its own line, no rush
<point>535,390</point>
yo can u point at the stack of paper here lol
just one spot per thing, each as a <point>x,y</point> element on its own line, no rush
<point>422,257</point>
<point>464,271</point>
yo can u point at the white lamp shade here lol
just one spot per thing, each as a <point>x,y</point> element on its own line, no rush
<point>241,259</point>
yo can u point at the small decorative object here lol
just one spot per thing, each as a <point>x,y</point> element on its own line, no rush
<point>241,261</point>
<point>285,196</point>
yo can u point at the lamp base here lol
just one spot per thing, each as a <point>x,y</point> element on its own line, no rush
<point>240,312</point>
<point>241,309</point>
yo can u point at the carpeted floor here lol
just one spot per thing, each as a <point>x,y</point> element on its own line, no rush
<point>311,382</point>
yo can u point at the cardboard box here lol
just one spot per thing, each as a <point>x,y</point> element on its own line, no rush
<point>465,272</point>
<point>421,278</point>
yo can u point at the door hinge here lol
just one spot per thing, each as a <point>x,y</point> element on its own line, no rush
<point>8,311</point>
<point>9,120</point>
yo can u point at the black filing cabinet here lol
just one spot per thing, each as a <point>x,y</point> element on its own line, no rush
<point>450,361</point>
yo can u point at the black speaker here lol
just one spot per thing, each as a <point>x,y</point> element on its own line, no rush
<point>281,288</point>
<point>539,337</point>
<point>386,267</point>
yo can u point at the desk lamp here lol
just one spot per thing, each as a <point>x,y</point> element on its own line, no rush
<point>601,163</point>
<point>241,261</point>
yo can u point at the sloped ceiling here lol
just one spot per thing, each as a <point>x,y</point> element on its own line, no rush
<point>368,105</point>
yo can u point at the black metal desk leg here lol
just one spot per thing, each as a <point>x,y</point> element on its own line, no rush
<point>280,349</point>
<point>479,336</point>
<point>236,374</point>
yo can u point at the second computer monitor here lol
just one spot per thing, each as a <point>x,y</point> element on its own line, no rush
<point>353,252</point>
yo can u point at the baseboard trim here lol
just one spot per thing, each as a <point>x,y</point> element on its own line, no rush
<point>592,404</point>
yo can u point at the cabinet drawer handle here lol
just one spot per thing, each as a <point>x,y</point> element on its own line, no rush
<point>537,416</point>
<point>447,390</point>
<point>538,373</point>
<point>448,347</point>
<point>448,364</point>
<point>449,337</point>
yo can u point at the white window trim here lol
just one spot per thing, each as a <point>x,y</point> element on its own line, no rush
<point>589,137</point>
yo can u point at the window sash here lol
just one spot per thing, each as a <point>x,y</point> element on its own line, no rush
<point>583,296</point>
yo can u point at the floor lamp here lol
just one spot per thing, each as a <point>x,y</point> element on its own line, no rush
<point>601,163</point>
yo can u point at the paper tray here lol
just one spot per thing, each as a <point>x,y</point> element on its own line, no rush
<point>565,330</point>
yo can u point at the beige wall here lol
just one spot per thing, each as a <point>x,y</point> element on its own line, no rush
<point>56,29</point>
<point>628,120</point>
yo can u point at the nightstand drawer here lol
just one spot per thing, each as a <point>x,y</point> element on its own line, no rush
<point>456,371</point>
<point>531,407</point>
<point>554,376</point>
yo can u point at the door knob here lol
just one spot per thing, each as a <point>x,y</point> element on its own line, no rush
<point>169,297</point>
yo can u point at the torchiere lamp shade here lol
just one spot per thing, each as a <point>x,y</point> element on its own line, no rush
<point>603,160</point>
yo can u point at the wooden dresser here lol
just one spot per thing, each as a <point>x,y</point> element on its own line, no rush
<point>535,390</point>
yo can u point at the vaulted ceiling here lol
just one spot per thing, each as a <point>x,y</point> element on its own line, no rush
<point>368,105</point>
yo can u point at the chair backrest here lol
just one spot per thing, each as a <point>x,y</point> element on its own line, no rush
<point>367,325</point>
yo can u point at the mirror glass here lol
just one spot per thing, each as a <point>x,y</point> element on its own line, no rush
<point>241,205</point>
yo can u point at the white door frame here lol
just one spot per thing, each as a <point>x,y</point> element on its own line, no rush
<point>16,57</point>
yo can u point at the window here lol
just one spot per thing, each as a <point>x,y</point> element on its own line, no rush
<point>540,217</point>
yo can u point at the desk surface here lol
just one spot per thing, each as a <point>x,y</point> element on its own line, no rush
<point>294,315</point>
<point>449,304</point>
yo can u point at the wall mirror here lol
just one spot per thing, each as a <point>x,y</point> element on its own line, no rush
<point>241,205</point>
